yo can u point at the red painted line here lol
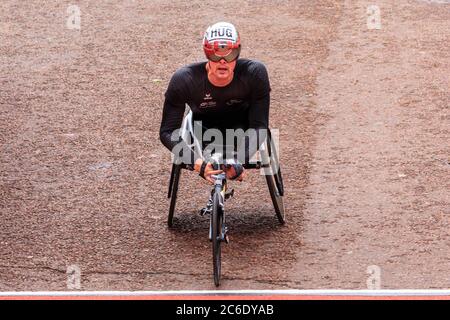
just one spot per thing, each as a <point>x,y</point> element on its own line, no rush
<point>224,297</point>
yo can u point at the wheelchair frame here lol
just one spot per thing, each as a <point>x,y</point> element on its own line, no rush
<point>274,180</point>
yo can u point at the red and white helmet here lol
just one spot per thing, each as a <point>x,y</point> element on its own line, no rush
<point>221,41</point>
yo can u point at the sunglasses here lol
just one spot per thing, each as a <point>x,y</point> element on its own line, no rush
<point>218,50</point>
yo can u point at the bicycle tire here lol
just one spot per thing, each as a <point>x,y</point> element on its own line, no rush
<point>217,221</point>
<point>173,194</point>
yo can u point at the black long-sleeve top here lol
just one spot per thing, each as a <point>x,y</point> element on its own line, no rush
<point>245,100</point>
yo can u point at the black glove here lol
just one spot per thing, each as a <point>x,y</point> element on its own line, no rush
<point>236,165</point>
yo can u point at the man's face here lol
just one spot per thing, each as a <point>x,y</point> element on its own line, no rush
<point>222,70</point>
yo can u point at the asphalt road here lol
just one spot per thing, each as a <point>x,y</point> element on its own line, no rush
<point>363,116</point>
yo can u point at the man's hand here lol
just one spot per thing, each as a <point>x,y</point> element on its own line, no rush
<point>208,171</point>
<point>234,171</point>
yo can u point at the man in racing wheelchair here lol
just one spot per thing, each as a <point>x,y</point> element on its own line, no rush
<point>224,92</point>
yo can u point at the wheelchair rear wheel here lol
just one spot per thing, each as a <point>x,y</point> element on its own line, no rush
<point>275,181</point>
<point>173,191</point>
<point>277,198</point>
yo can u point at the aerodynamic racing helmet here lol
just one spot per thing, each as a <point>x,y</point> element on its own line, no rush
<point>221,41</point>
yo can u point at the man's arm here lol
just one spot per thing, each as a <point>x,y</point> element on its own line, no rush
<point>172,118</point>
<point>258,114</point>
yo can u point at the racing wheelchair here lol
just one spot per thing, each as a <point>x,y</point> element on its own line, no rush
<point>269,163</point>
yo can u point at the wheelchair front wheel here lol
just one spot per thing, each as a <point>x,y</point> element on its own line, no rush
<point>216,235</point>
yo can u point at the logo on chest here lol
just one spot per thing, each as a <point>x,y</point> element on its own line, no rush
<point>208,101</point>
<point>233,101</point>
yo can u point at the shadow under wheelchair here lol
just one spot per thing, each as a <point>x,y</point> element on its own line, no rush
<point>254,234</point>
<point>261,221</point>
